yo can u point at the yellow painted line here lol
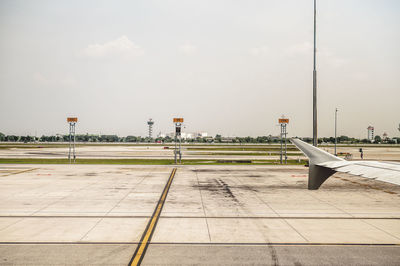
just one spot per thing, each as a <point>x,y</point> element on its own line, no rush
<point>19,172</point>
<point>148,233</point>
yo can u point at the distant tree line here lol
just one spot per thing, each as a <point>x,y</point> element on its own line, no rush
<point>217,139</point>
<point>349,140</point>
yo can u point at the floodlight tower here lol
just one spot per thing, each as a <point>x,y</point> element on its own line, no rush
<point>315,124</point>
<point>177,152</point>
<point>71,152</point>
<point>283,123</point>
<point>150,123</point>
<point>336,110</point>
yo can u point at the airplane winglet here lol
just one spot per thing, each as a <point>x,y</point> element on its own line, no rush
<point>317,174</point>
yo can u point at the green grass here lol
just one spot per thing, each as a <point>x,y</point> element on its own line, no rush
<point>140,161</point>
<point>189,146</point>
<point>33,146</point>
<point>359,145</point>
<point>242,148</point>
<point>5,145</point>
<point>243,153</point>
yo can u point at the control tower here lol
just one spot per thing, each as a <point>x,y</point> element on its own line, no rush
<point>150,123</point>
<point>370,132</point>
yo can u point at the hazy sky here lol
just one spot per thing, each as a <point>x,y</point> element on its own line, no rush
<point>229,67</point>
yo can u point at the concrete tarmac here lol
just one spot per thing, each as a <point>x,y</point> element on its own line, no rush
<point>221,215</point>
<point>120,254</point>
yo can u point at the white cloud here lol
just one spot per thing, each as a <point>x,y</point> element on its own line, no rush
<point>120,47</point>
<point>260,51</point>
<point>188,49</point>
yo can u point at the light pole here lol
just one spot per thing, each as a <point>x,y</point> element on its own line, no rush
<point>335,130</point>
<point>71,152</point>
<point>178,137</point>
<point>283,123</point>
<point>315,137</point>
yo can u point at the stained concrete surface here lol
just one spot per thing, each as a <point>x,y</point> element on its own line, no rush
<point>271,255</point>
<point>66,254</point>
<point>84,214</point>
<point>120,254</point>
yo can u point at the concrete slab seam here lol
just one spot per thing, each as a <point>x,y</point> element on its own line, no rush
<point>140,251</point>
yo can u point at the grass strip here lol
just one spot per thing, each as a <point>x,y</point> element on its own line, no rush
<point>242,153</point>
<point>242,148</point>
<point>5,145</point>
<point>143,161</point>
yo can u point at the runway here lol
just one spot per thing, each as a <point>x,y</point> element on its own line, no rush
<point>221,215</point>
<point>215,152</point>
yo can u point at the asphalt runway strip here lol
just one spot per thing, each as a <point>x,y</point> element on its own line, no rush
<point>148,232</point>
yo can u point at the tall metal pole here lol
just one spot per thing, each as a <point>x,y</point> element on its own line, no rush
<point>71,149</point>
<point>175,151</point>
<point>335,131</point>
<point>281,143</point>
<point>180,153</point>
<point>178,137</point>
<point>70,144</point>
<point>315,135</point>
<point>284,129</point>
<point>73,127</point>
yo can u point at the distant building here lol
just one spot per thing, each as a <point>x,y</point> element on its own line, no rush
<point>161,135</point>
<point>385,136</point>
<point>208,139</point>
<point>227,139</point>
<point>270,137</point>
<point>186,135</point>
<point>370,132</point>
